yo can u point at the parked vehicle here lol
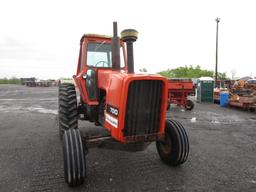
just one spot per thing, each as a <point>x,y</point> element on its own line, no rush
<point>131,107</point>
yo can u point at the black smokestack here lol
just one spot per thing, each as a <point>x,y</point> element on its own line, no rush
<point>115,48</point>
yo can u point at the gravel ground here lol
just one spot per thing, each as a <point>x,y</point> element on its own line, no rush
<point>222,150</point>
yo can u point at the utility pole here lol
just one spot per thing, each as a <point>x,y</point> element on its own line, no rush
<point>216,65</point>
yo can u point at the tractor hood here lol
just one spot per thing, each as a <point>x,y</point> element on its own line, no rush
<point>123,91</point>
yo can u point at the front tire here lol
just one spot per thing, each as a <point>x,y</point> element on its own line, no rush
<point>74,157</point>
<point>68,113</point>
<point>173,149</point>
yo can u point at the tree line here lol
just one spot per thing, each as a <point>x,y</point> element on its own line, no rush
<point>12,80</point>
<point>180,72</point>
<point>191,72</point>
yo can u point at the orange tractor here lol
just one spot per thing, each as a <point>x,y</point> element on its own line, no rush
<point>131,107</point>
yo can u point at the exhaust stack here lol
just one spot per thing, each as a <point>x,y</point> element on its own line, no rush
<point>129,36</point>
<point>115,48</point>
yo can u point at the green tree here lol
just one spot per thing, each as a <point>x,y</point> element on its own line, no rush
<point>190,72</point>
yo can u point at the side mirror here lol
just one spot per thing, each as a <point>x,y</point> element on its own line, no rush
<point>85,76</point>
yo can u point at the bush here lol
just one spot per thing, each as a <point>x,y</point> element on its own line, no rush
<point>12,80</point>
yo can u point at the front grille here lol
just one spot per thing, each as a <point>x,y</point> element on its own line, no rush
<point>143,108</point>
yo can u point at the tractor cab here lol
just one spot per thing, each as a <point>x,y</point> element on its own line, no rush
<point>95,57</point>
<point>96,52</point>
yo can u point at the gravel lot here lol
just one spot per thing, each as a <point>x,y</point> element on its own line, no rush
<point>222,154</point>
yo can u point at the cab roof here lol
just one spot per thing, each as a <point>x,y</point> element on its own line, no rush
<point>95,36</point>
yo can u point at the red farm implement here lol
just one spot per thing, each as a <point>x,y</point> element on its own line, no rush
<point>178,92</point>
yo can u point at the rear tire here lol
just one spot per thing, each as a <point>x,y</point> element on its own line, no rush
<point>173,149</point>
<point>189,105</point>
<point>74,157</point>
<point>68,113</point>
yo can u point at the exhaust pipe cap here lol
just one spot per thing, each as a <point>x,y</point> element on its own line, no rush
<point>129,35</point>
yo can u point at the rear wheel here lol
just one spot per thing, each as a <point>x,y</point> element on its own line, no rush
<point>74,157</point>
<point>173,149</point>
<point>68,113</point>
<point>189,105</point>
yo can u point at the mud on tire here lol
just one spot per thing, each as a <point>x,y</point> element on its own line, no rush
<point>67,108</point>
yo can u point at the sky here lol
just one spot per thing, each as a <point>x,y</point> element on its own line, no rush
<point>41,38</point>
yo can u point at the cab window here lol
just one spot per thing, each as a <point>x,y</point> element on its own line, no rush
<point>100,55</point>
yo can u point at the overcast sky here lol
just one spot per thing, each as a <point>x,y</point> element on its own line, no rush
<point>41,38</point>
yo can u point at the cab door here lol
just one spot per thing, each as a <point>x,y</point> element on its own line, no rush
<point>86,79</point>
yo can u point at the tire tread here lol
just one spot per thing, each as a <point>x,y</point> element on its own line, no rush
<point>74,158</point>
<point>68,113</point>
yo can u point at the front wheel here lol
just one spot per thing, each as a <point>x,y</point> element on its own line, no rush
<point>173,149</point>
<point>74,157</point>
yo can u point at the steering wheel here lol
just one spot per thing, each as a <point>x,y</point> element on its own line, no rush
<point>103,62</point>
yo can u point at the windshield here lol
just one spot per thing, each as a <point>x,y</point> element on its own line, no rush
<point>100,55</point>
